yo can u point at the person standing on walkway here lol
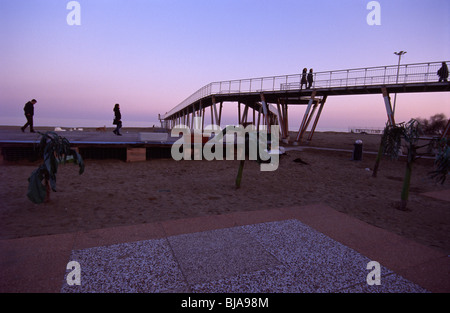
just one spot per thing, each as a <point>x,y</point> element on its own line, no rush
<point>303,81</point>
<point>29,113</point>
<point>443,72</point>
<point>310,78</point>
<point>117,120</point>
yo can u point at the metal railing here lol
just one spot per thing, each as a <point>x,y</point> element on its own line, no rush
<point>359,77</point>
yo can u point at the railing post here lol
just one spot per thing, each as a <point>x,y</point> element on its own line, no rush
<point>365,75</point>
<point>406,74</point>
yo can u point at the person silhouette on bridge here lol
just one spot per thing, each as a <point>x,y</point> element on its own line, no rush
<point>310,78</point>
<point>443,72</point>
<point>303,81</point>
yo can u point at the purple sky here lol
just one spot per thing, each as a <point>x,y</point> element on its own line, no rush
<point>149,55</point>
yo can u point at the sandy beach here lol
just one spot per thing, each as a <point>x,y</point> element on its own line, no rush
<point>112,192</point>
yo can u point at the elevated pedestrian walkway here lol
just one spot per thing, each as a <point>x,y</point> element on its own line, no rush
<point>272,95</point>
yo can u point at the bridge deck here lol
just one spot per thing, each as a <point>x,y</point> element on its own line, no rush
<point>409,78</point>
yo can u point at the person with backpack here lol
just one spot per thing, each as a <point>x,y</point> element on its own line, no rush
<point>443,73</point>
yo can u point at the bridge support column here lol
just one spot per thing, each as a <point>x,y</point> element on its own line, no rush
<point>239,113</point>
<point>322,103</point>
<point>387,103</point>
<point>259,118</point>
<point>286,120</point>
<point>220,112</point>
<point>217,115</point>
<point>245,114</point>
<point>282,108</point>
<point>281,120</point>
<point>265,111</point>
<point>306,117</point>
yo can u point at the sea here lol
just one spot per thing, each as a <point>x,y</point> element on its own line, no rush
<point>80,123</point>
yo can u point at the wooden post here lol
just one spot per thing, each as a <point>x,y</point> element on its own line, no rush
<point>136,154</point>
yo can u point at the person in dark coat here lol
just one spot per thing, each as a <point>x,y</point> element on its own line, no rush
<point>303,81</point>
<point>443,72</point>
<point>310,78</point>
<point>117,120</point>
<point>29,113</point>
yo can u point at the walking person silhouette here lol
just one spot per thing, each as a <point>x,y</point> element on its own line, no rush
<point>117,120</point>
<point>303,80</point>
<point>29,113</point>
<point>310,78</point>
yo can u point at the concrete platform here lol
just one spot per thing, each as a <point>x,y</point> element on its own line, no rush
<point>308,249</point>
<point>132,146</point>
<point>88,137</point>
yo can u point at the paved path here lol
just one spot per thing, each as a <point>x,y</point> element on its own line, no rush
<point>298,249</point>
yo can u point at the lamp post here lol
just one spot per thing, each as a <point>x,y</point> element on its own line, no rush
<point>400,53</point>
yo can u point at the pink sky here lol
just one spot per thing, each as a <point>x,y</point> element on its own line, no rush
<point>150,55</point>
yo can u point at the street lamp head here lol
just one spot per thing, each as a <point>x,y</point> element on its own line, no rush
<point>400,53</point>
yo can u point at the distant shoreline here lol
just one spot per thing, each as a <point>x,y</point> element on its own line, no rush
<point>150,128</point>
<point>89,128</point>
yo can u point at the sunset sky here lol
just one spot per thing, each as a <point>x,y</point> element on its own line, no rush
<point>149,55</point>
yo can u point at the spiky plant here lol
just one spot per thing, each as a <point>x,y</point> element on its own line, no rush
<point>412,133</point>
<point>55,150</point>
<point>442,161</point>
<point>390,144</point>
